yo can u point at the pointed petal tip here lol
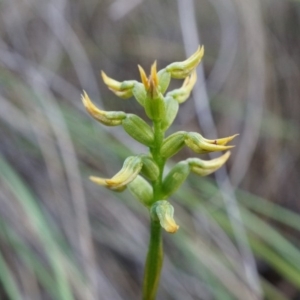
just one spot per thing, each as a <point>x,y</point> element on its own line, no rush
<point>143,76</point>
<point>104,76</point>
<point>200,51</point>
<point>233,136</point>
<point>87,102</point>
<point>228,147</point>
<point>112,84</point>
<point>83,99</point>
<point>98,180</point>
<point>141,70</point>
<point>154,68</point>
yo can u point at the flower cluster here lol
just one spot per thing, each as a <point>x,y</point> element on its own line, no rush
<point>143,173</point>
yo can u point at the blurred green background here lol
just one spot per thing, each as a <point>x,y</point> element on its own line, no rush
<point>61,236</point>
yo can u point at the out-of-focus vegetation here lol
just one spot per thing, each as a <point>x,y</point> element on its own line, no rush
<point>62,237</point>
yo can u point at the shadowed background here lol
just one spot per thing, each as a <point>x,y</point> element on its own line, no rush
<point>63,237</point>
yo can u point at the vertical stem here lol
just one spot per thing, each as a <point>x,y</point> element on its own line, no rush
<point>154,259</point>
<point>153,263</point>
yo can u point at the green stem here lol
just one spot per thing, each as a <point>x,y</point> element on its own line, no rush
<point>154,259</point>
<point>153,263</point>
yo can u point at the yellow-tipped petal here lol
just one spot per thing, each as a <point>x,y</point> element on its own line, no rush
<point>197,143</point>
<point>196,57</point>
<point>153,82</point>
<point>98,180</point>
<point>111,83</point>
<point>91,108</point>
<point>190,81</point>
<point>154,76</point>
<point>163,212</point>
<point>121,89</point>
<point>131,168</point>
<point>222,141</point>
<point>182,69</point>
<point>104,117</point>
<point>169,224</point>
<point>183,93</point>
<point>124,178</point>
<point>143,77</point>
<point>206,167</point>
<point>102,181</point>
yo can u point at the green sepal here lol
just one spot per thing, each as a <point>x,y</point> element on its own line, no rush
<point>164,79</point>
<point>140,94</point>
<point>172,144</point>
<point>172,107</point>
<point>150,168</point>
<point>155,107</point>
<point>142,190</point>
<point>138,129</point>
<point>127,84</point>
<point>175,178</point>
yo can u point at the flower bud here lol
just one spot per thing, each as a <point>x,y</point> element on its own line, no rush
<point>172,144</point>
<point>138,129</point>
<point>150,168</point>
<point>163,212</point>
<point>206,167</point>
<point>112,118</point>
<point>172,107</point>
<point>199,144</point>
<point>121,89</point>
<point>175,178</point>
<point>182,69</point>
<point>142,190</point>
<point>131,168</point>
<point>154,103</point>
<point>182,94</point>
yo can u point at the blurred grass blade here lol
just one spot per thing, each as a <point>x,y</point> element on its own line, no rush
<point>224,283</point>
<point>267,253</point>
<point>8,281</point>
<point>271,292</point>
<point>29,204</point>
<point>31,261</point>
<point>276,261</point>
<point>270,209</point>
<point>272,237</point>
